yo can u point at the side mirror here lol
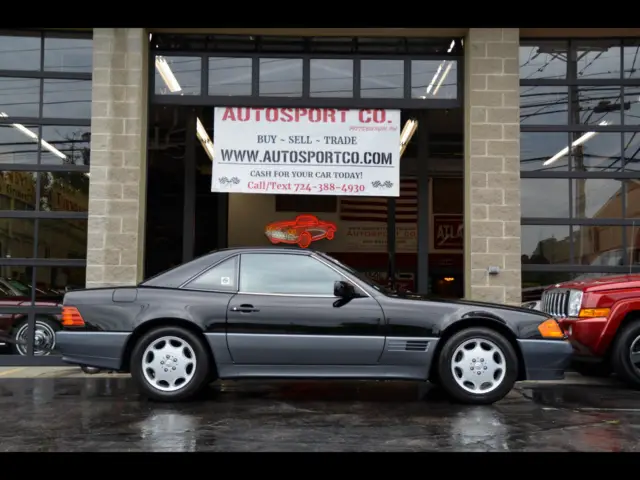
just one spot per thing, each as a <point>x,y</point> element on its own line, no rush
<point>343,290</point>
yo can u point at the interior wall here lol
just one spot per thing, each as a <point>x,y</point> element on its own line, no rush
<point>249,214</point>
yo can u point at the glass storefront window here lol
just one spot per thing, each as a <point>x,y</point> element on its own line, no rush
<point>546,244</point>
<point>280,77</point>
<point>64,192</point>
<point>544,105</point>
<point>631,58</point>
<point>331,78</point>
<point>67,99</point>
<point>18,145</point>
<point>230,76</point>
<point>537,148</point>
<point>62,238</point>
<point>26,141</point>
<point>434,79</point>
<point>597,198</point>
<point>599,245</point>
<point>19,97</point>
<point>587,154</point>
<point>178,75</point>
<point>544,197</point>
<point>63,54</point>
<point>382,79</point>
<point>631,110</point>
<point>66,145</point>
<point>597,106</point>
<point>597,60</point>
<point>543,60</point>
<point>20,51</point>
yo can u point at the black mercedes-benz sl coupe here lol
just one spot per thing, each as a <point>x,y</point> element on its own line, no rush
<point>289,313</point>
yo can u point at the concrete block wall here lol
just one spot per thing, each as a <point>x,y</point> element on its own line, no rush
<point>492,165</point>
<point>118,157</point>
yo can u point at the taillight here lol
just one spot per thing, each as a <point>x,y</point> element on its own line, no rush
<point>71,317</point>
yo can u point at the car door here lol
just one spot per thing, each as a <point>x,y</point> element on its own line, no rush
<point>285,313</point>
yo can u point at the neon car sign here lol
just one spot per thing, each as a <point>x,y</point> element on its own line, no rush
<point>302,231</point>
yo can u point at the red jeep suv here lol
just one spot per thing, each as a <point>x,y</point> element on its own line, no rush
<point>601,317</point>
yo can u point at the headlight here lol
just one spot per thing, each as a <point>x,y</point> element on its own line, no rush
<point>575,302</point>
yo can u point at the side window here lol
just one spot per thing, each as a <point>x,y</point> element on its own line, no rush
<point>222,277</point>
<point>285,274</point>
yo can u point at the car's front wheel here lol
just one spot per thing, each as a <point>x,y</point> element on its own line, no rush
<point>170,364</point>
<point>477,366</point>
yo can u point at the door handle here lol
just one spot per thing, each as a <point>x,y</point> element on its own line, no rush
<point>244,309</point>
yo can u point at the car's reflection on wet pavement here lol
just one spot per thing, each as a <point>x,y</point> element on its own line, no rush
<point>105,414</point>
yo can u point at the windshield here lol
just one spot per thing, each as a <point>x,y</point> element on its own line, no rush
<point>359,275</point>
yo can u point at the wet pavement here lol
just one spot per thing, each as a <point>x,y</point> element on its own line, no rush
<point>106,414</point>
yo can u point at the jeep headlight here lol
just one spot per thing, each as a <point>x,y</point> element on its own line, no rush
<point>575,302</point>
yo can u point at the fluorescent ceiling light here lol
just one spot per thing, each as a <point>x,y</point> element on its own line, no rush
<point>34,136</point>
<point>407,133</point>
<point>167,74</point>
<point>203,136</point>
<point>444,75</point>
<point>437,78</point>
<point>577,142</point>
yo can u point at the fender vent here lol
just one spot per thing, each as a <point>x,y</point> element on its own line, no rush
<point>408,345</point>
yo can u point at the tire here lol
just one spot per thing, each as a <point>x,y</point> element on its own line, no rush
<point>628,338</point>
<point>44,338</point>
<point>189,355</point>
<point>506,370</point>
<point>594,370</point>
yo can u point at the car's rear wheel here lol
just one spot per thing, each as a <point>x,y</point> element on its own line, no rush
<point>625,356</point>
<point>477,366</point>
<point>171,364</point>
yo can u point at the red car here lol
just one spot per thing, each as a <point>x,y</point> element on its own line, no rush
<point>601,317</point>
<point>14,326</point>
<point>302,231</point>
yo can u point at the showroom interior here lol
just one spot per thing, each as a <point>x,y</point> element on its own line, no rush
<point>560,182</point>
<point>419,76</point>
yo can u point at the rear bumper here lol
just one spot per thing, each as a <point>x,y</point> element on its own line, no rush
<point>94,349</point>
<point>546,359</point>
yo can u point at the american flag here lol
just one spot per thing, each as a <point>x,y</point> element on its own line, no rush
<point>374,209</point>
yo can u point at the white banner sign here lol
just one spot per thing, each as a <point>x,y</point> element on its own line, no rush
<point>306,151</point>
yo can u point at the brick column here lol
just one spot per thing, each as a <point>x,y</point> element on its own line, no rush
<point>492,165</point>
<point>118,157</point>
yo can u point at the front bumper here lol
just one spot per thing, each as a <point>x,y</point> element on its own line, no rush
<point>545,359</point>
<point>585,334</point>
<point>93,349</point>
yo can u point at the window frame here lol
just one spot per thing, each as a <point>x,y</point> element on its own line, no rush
<point>30,309</point>
<point>572,82</point>
<point>162,45</point>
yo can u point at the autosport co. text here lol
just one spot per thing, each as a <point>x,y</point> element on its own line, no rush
<point>306,157</point>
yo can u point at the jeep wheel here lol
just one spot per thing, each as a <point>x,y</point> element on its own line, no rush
<point>625,357</point>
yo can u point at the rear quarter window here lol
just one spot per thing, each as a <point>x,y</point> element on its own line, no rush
<point>222,277</point>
